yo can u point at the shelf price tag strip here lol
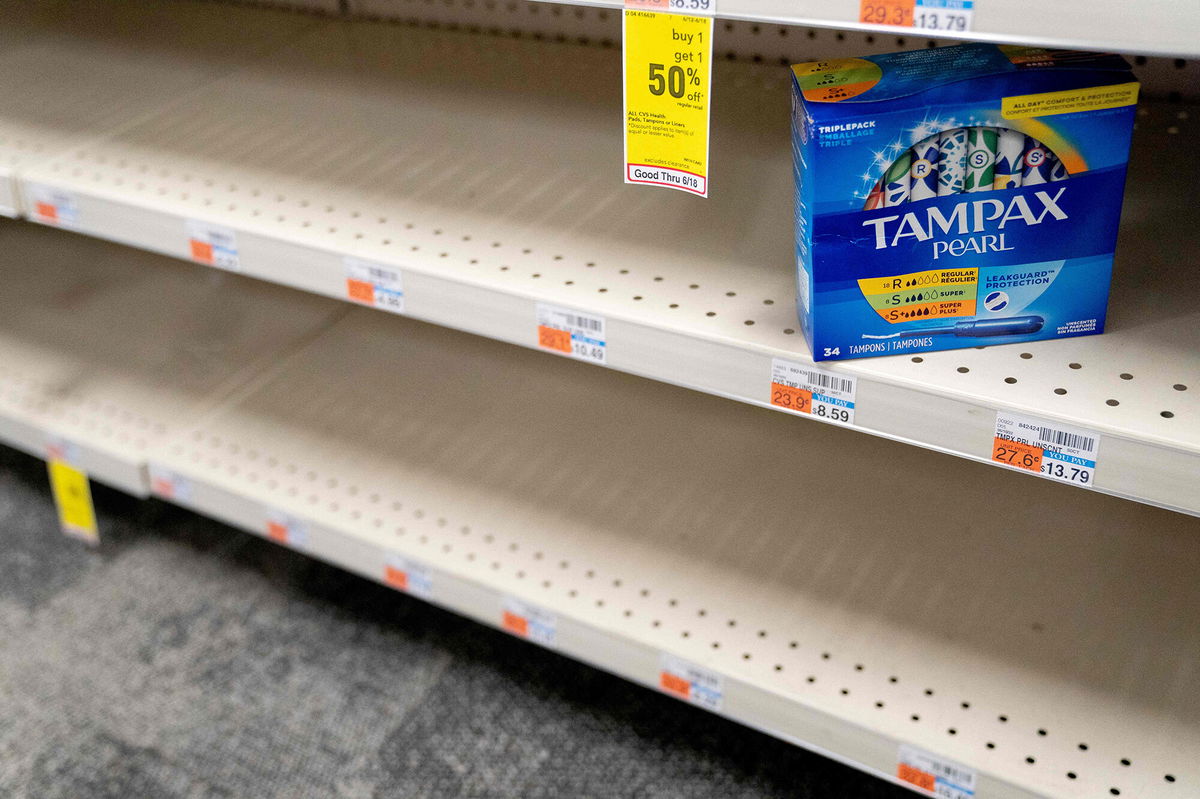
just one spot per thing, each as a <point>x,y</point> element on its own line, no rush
<point>376,285</point>
<point>578,335</point>
<point>1058,451</point>
<point>667,58</point>
<point>283,528</point>
<point>691,683</point>
<point>52,206</point>
<point>935,776</point>
<point>816,392</point>
<point>72,492</point>
<point>408,576</point>
<point>167,484</point>
<point>949,16</point>
<point>529,621</point>
<point>212,245</point>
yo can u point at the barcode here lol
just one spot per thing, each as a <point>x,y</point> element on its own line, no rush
<point>574,320</point>
<point>1071,440</point>
<point>382,274</point>
<point>833,382</point>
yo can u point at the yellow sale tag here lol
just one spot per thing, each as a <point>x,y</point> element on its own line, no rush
<point>73,498</point>
<point>668,81</point>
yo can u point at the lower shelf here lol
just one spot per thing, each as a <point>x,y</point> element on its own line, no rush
<point>853,595</point>
<point>847,593</point>
<point>114,349</point>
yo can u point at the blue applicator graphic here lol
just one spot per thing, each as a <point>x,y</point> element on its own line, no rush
<point>1011,326</point>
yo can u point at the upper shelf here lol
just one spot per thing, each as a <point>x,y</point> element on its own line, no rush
<point>486,170</point>
<point>1154,27</point>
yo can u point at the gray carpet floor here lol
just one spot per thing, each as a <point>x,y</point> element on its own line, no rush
<point>188,659</point>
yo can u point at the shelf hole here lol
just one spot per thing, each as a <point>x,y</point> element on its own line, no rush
<point>748,322</point>
<point>1060,391</point>
<point>1169,777</point>
<point>1167,415</point>
<point>711,313</point>
<point>1071,775</point>
<point>966,705</point>
<point>1075,365</point>
<point>893,680</point>
<point>745,656</point>
<point>825,656</point>
<point>793,644</point>
<point>928,692</point>
<point>1112,403</point>
<point>918,359</point>
<point>1126,376</point>
<point>990,745</point>
<point>915,717</point>
<point>879,705</point>
<point>673,305</point>
<point>1003,719</point>
<point>858,667</point>
<point>787,331</point>
<point>1114,791</point>
<point>731,294</point>
<point>1027,355</point>
<point>1179,387</point>
<point>658,279</point>
<point>694,286</point>
<point>844,692</point>
<point>762,633</point>
<point>1042,732</point>
<point>952,731</point>
<point>778,667</point>
<point>1083,747</point>
<point>1010,380</point>
<point>962,370</point>
<point>1126,762</point>
<point>1031,760</point>
<point>810,679</point>
<point>768,302</point>
<point>685,634</point>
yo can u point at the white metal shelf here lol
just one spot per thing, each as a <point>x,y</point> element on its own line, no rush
<point>74,71</point>
<point>1165,27</point>
<point>483,167</point>
<point>112,349</point>
<point>954,611</point>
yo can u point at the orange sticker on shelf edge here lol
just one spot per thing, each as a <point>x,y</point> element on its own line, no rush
<point>887,12</point>
<point>201,251</point>
<point>674,685</point>
<point>46,211</point>
<point>551,338</point>
<point>914,776</point>
<point>1014,453</point>
<point>277,532</point>
<point>794,399</point>
<point>396,578</point>
<point>360,291</point>
<point>517,625</point>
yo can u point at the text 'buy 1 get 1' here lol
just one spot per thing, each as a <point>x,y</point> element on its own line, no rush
<point>668,92</point>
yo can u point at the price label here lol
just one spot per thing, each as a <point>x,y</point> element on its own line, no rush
<point>944,16</point>
<point>408,576</point>
<point>285,529</point>
<point>72,492</point>
<point>373,284</point>
<point>691,683</point>
<point>1061,452</point>
<point>816,392</point>
<point>935,776</point>
<point>52,206</point>
<point>167,484</point>
<point>572,333</point>
<point>212,245</point>
<point>529,621</point>
<point>668,86</point>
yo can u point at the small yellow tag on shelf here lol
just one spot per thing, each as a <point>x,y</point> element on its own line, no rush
<point>73,498</point>
<point>668,88</point>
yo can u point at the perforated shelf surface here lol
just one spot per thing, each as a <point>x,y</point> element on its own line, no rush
<point>486,169</point>
<point>854,593</point>
<point>112,349</point>
<point>76,70</point>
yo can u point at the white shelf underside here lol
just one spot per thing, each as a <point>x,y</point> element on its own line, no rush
<point>638,512</point>
<point>486,169</point>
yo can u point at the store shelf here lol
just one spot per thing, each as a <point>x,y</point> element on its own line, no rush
<point>486,169</point>
<point>954,612</point>
<point>1156,27</point>
<point>112,349</point>
<point>76,70</point>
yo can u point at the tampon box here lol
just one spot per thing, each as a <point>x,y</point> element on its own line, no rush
<point>957,197</point>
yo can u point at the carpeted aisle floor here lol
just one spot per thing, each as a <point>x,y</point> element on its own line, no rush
<point>188,659</point>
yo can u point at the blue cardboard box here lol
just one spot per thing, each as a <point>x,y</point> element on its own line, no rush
<point>957,196</point>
